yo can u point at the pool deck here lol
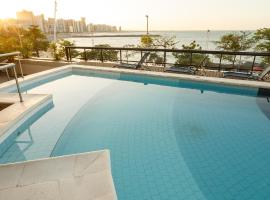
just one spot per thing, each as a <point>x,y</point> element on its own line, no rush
<point>74,177</point>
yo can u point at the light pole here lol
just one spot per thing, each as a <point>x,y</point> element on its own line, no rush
<point>207,39</point>
<point>54,28</point>
<point>147,30</point>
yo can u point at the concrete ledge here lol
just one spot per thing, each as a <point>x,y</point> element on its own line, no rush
<point>203,79</point>
<point>31,66</point>
<point>9,85</point>
<point>17,110</point>
<point>76,177</point>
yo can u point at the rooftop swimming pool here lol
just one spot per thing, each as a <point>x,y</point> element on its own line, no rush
<point>168,138</point>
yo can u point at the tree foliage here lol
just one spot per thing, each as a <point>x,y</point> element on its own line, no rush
<point>58,49</point>
<point>184,59</point>
<point>165,42</point>
<point>235,41</point>
<point>157,42</point>
<point>106,55</point>
<point>37,39</point>
<point>262,37</point>
<point>11,40</point>
<point>146,41</point>
<point>241,41</point>
<point>27,41</point>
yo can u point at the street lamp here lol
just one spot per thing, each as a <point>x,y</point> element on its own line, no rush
<point>147,30</point>
<point>54,28</point>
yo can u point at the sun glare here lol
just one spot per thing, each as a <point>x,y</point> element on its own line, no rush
<point>7,13</point>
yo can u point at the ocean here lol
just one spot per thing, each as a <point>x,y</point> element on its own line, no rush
<point>204,39</point>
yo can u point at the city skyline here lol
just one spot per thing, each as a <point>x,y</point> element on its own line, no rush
<point>25,19</point>
<point>169,15</point>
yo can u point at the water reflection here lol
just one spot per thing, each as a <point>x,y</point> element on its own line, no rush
<point>21,140</point>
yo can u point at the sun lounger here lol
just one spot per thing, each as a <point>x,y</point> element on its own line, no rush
<point>186,70</point>
<point>248,75</point>
<point>134,66</point>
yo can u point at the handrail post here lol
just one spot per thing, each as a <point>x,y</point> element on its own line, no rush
<point>165,58</point>
<point>84,53</point>
<point>17,83</point>
<point>234,59</point>
<point>220,60</point>
<point>70,56</point>
<point>12,65</point>
<point>101,54</point>
<point>120,56</point>
<point>20,66</point>
<point>191,58</point>
<point>253,64</point>
<point>66,50</point>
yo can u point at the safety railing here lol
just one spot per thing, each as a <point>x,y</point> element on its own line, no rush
<point>4,58</point>
<point>13,66</point>
<point>220,58</point>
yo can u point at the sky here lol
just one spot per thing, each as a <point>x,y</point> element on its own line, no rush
<point>163,14</point>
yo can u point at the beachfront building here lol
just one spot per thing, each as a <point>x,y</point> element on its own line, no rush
<point>25,19</point>
<point>101,28</point>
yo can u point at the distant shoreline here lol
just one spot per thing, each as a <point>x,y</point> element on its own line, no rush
<point>100,36</point>
<point>68,35</point>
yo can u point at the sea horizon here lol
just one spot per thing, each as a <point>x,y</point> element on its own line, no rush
<point>205,39</point>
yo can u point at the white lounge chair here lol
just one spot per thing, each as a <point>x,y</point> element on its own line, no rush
<point>248,75</point>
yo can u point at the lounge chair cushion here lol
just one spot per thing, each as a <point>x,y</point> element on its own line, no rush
<point>187,70</point>
<point>125,65</point>
<point>237,74</point>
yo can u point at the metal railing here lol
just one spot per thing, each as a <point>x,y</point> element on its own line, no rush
<point>13,66</point>
<point>4,57</point>
<point>220,55</point>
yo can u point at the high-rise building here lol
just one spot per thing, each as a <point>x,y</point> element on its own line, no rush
<point>69,23</point>
<point>25,18</point>
<point>50,25</point>
<point>39,21</point>
<point>83,24</point>
<point>60,26</point>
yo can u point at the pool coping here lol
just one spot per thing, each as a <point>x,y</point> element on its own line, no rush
<point>17,113</point>
<point>4,87</point>
<point>187,77</point>
<point>79,176</point>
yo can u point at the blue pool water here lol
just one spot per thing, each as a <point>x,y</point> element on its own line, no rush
<point>168,139</point>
